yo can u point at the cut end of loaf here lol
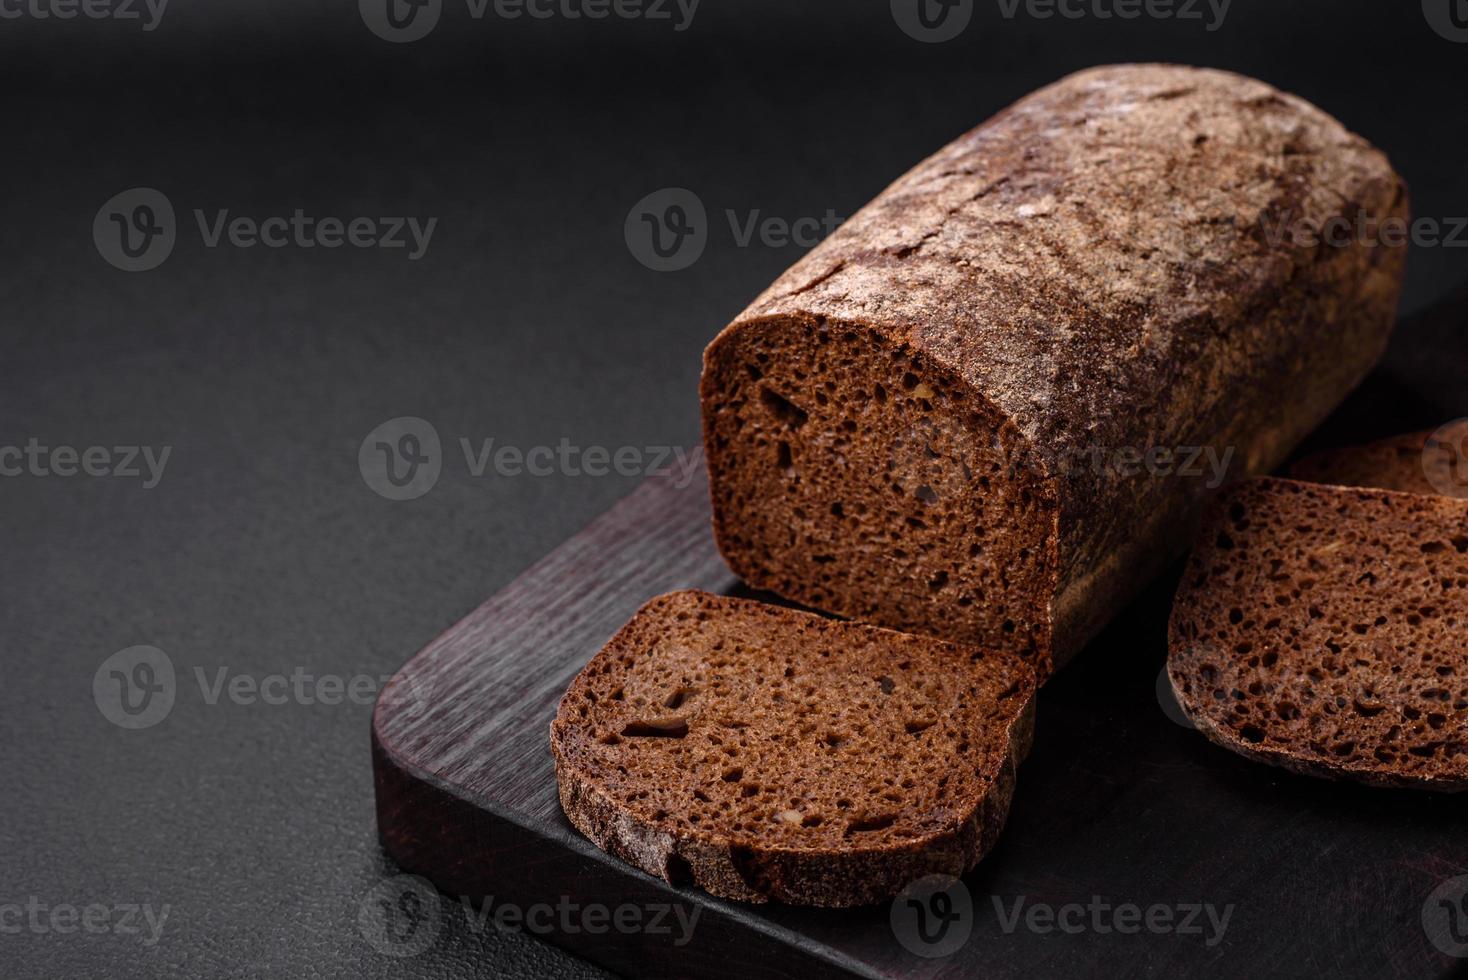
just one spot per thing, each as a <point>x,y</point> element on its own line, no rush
<point>767,754</point>
<point>853,474</point>
<point>1320,629</point>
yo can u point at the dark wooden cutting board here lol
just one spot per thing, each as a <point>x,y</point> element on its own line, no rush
<point>1118,804</point>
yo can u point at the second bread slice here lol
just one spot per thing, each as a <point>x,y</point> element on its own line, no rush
<point>763,753</point>
<point>1320,628</point>
<point>1419,462</point>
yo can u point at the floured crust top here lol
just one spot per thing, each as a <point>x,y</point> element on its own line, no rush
<point>1094,259</point>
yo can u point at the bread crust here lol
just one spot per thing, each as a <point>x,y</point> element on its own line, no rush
<point>1426,462</point>
<point>1095,262</point>
<point>747,870</point>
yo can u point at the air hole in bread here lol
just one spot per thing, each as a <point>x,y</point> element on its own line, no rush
<point>656,728</point>
<point>782,408</point>
<point>868,824</point>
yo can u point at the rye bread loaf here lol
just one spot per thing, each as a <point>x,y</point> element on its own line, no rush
<point>1320,628</point>
<point>1419,462</point>
<point>765,753</point>
<point>939,419</point>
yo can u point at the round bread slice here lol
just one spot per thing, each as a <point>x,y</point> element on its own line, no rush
<point>1320,628</point>
<point>764,753</point>
<point>1433,462</point>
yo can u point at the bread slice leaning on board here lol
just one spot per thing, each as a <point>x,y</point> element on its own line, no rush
<point>935,420</point>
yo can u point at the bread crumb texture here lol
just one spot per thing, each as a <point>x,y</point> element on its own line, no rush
<point>764,753</point>
<point>1321,629</point>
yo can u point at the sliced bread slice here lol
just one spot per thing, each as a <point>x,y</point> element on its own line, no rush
<point>1320,628</point>
<point>1420,462</point>
<point>764,753</point>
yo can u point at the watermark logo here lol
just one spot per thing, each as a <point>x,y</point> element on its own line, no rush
<point>401,916</point>
<point>401,459</point>
<point>1445,916</point>
<point>932,21</point>
<point>1167,700</point>
<point>1449,18</point>
<point>933,916</point>
<point>135,688</point>
<point>667,230</point>
<point>1445,459</point>
<point>138,687</point>
<point>135,231</point>
<point>400,21</point>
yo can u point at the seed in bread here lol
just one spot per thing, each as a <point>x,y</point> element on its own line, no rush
<point>763,753</point>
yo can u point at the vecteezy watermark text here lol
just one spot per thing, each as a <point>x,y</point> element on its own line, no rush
<point>934,917</point>
<point>403,915</point>
<point>1210,13</point>
<point>63,918</point>
<point>935,21</point>
<point>1364,229</point>
<point>127,462</point>
<point>1125,918</point>
<point>1189,462</point>
<point>569,917</point>
<point>137,230</point>
<point>402,21</point>
<point>933,456</point>
<point>148,12</point>
<point>402,459</point>
<point>137,687</point>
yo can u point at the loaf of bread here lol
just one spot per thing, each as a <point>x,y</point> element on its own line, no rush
<point>764,754</point>
<point>1320,628</point>
<point>980,409</point>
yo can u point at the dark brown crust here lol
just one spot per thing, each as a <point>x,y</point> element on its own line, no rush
<point>1199,660</point>
<point>1093,263</point>
<point>745,870</point>
<point>1418,462</point>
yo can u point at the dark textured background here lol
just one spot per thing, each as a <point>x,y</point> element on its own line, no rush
<point>528,321</point>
